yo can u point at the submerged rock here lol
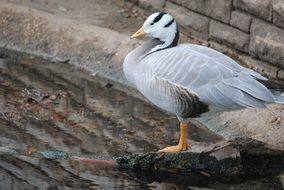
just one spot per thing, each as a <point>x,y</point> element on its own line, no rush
<point>238,157</point>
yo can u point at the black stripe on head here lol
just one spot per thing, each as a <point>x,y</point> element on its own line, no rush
<point>169,23</point>
<point>158,17</point>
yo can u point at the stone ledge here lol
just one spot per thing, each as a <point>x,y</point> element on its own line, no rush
<point>50,37</point>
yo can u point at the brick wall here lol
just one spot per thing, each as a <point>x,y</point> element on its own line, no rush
<point>254,28</point>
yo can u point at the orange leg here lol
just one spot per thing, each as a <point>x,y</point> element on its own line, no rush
<point>182,145</point>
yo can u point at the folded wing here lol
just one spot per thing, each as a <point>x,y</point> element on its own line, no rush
<point>214,77</point>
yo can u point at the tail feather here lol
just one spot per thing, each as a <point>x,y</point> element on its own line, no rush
<point>279,99</point>
<point>274,85</point>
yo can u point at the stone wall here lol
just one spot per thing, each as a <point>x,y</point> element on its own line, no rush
<point>253,28</point>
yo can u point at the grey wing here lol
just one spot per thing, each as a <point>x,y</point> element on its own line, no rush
<point>215,78</point>
<point>222,59</point>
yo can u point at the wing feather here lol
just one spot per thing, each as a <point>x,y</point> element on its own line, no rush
<point>214,77</point>
<point>250,86</point>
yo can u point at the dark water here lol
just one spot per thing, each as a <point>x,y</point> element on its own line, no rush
<point>53,107</point>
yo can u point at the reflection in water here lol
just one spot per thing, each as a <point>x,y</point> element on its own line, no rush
<point>54,107</point>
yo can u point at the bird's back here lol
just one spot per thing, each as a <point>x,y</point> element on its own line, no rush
<point>213,77</point>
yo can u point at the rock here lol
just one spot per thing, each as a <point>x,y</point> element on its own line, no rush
<point>280,74</point>
<point>63,9</point>
<point>179,12</point>
<point>278,13</point>
<point>216,159</point>
<point>241,20</point>
<point>218,9</point>
<point>199,188</point>
<point>157,4</point>
<point>238,157</point>
<point>44,35</point>
<point>229,35</point>
<point>266,42</point>
<point>260,8</point>
<point>281,177</point>
<point>196,24</point>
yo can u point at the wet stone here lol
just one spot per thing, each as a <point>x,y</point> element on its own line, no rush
<point>239,157</point>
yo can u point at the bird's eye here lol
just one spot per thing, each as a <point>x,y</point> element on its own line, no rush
<point>152,23</point>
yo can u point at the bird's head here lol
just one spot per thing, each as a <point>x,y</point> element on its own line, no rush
<point>158,25</point>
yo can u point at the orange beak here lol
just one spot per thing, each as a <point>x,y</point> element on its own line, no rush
<point>139,33</point>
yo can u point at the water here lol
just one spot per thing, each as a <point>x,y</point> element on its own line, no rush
<point>54,107</point>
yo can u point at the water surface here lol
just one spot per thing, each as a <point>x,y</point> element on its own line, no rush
<point>54,107</point>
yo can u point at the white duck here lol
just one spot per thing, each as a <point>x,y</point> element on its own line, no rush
<point>189,80</point>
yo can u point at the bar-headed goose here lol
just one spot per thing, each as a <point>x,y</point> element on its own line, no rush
<point>189,80</point>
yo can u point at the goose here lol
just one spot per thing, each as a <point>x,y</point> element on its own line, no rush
<point>189,80</point>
